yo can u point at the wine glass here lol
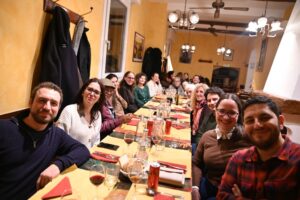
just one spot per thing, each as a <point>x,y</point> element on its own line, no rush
<point>135,173</point>
<point>97,176</point>
<point>128,138</point>
<point>111,175</point>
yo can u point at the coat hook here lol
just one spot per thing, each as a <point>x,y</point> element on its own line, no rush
<point>91,9</point>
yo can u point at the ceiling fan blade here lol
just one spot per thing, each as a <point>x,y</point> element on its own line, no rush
<point>194,8</point>
<point>236,8</point>
<point>217,13</point>
<point>214,34</point>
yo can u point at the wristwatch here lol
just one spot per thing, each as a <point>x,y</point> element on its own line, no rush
<point>195,187</point>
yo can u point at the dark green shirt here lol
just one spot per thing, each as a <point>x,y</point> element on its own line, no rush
<point>141,95</point>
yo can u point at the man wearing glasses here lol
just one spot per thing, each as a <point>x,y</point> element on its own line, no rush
<point>271,168</point>
<point>33,150</point>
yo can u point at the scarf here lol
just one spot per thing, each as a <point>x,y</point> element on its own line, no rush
<point>197,114</point>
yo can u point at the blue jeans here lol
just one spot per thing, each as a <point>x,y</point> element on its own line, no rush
<point>207,190</point>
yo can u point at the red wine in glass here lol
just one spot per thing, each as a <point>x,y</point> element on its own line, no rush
<point>128,140</point>
<point>96,179</point>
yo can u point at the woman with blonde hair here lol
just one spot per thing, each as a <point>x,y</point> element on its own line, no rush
<point>198,103</point>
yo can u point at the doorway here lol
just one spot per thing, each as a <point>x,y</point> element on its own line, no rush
<point>226,78</point>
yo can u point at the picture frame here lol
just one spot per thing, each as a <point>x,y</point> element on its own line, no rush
<point>138,47</point>
<point>185,57</point>
<point>228,57</point>
<point>262,55</point>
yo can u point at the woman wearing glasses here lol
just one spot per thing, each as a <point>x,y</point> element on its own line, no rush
<point>126,91</point>
<point>82,120</point>
<point>216,147</point>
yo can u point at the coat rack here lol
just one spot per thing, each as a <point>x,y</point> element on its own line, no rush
<point>49,5</point>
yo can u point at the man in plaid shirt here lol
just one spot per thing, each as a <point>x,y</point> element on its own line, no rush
<point>271,168</point>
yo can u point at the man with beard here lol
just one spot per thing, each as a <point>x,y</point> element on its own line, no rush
<point>33,150</point>
<point>271,168</point>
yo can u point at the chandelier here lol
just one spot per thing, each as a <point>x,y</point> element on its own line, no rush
<point>263,27</point>
<point>184,20</point>
<point>187,47</point>
<point>223,50</point>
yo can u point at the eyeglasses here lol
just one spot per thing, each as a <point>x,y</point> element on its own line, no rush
<point>91,90</point>
<point>230,113</point>
<point>132,78</point>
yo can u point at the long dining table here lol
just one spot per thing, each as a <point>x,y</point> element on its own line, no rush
<point>180,132</point>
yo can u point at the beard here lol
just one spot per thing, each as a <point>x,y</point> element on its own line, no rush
<point>269,142</point>
<point>42,120</point>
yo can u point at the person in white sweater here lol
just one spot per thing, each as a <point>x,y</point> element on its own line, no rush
<point>82,120</point>
<point>154,85</point>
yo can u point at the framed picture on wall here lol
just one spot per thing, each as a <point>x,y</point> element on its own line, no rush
<point>262,56</point>
<point>185,57</point>
<point>138,47</point>
<point>229,57</point>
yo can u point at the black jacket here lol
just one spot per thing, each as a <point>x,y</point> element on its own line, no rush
<point>59,64</point>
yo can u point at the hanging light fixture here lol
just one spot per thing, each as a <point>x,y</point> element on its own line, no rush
<point>187,47</point>
<point>223,49</point>
<point>263,27</point>
<point>186,19</point>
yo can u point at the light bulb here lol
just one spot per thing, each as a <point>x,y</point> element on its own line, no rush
<point>262,22</point>
<point>194,18</point>
<point>173,17</point>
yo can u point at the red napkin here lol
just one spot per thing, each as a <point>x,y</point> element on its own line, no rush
<point>178,116</point>
<point>105,157</point>
<point>163,197</point>
<point>63,188</point>
<point>133,122</point>
<point>178,126</point>
<point>173,165</point>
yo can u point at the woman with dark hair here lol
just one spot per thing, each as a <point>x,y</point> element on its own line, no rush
<point>141,91</point>
<point>82,120</point>
<point>217,146</point>
<point>126,92</point>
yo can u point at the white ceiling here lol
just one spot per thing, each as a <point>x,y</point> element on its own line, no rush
<point>275,9</point>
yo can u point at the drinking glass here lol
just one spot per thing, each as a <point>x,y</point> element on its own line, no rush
<point>97,176</point>
<point>142,124</point>
<point>111,176</point>
<point>128,138</point>
<point>135,173</point>
<point>156,137</point>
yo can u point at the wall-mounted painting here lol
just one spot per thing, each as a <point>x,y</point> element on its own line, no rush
<point>262,56</point>
<point>138,47</point>
<point>185,57</point>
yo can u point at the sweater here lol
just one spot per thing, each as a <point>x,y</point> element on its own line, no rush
<point>77,126</point>
<point>109,120</point>
<point>212,155</point>
<point>141,95</point>
<point>25,153</point>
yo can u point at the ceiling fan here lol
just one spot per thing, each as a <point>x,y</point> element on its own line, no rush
<point>212,30</point>
<point>219,4</point>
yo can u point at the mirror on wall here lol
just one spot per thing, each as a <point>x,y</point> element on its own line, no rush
<point>115,39</point>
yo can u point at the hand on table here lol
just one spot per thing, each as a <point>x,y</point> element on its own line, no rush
<point>127,117</point>
<point>47,175</point>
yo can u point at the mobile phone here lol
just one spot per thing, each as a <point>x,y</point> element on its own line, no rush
<point>108,146</point>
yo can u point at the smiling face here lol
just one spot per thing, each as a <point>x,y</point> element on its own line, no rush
<point>212,100</point>
<point>142,80</point>
<point>199,94</point>
<point>155,78</point>
<point>262,125</point>
<point>129,79</point>
<point>227,115</point>
<point>45,105</point>
<point>91,94</point>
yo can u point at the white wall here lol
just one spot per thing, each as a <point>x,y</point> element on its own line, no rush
<point>284,76</point>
